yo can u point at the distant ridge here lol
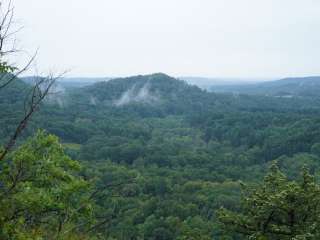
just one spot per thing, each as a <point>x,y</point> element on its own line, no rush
<point>286,87</point>
<point>71,82</point>
<point>206,82</point>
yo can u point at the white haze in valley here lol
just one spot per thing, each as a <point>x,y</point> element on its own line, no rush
<point>57,95</point>
<point>93,101</point>
<point>132,95</point>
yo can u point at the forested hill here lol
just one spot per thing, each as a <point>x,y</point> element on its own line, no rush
<point>185,148</point>
<point>161,95</point>
<point>288,87</point>
<point>147,89</point>
<point>150,95</point>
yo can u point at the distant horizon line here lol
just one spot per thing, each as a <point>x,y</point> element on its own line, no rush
<point>190,77</point>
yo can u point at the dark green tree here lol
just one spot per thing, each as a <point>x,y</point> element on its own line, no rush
<point>278,209</point>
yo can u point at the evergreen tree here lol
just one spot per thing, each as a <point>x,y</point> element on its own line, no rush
<point>278,209</point>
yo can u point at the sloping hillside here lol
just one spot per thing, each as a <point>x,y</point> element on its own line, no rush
<point>288,87</point>
<point>158,93</point>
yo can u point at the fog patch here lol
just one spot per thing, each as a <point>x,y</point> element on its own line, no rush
<point>57,95</point>
<point>93,101</point>
<point>137,95</point>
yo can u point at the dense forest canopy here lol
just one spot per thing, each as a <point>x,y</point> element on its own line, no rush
<point>163,156</point>
<point>153,157</point>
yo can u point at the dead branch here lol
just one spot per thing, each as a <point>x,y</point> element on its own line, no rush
<point>39,91</point>
<point>8,72</point>
<point>12,77</point>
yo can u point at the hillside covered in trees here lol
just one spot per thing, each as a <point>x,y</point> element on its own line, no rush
<point>287,87</point>
<point>165,156</point>
<point>153,157</point>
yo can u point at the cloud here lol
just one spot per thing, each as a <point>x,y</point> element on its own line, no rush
<point>57,95</point>
<point>137,95</point>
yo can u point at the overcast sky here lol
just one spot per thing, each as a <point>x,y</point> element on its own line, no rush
<point>212,38</point>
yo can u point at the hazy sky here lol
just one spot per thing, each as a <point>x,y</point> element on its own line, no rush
<point>213,38</point>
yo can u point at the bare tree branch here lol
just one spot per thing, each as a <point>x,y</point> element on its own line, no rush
<point>39,91</point>
<point>12,77</point>
<point>9,73</point>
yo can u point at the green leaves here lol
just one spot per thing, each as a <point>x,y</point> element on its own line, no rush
<point>41,193</point>
<point>278,209</point>
<point>6,68</point>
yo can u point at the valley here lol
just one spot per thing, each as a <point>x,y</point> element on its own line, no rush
<point>178,151</point>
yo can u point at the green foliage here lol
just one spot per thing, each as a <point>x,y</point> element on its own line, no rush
<point>278,209</point>
<point>6,68</point>
<point>157,169</point>
<point>315,149</point>
<point>41,195</point>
